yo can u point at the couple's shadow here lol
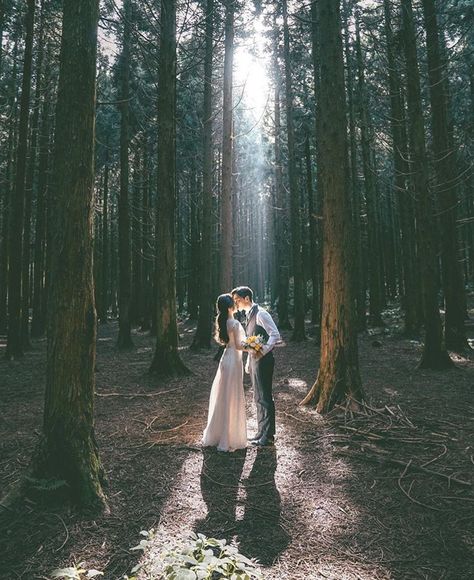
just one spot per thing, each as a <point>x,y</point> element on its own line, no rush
<point>249,510</point>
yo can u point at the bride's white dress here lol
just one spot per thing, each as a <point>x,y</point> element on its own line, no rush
<point>226,424</point>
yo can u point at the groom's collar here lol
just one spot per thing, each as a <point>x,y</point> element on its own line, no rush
<point>252,311</point>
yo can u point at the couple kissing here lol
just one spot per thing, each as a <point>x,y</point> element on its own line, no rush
<point>226,424</point>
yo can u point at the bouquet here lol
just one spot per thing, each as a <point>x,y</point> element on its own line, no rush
<point>254,343</point>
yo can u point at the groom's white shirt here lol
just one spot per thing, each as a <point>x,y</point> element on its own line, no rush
<point>264,319</point>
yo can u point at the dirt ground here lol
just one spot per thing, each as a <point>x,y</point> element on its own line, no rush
<point>383,494</point>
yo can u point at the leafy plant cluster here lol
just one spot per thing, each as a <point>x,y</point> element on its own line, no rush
<point>195,558</point>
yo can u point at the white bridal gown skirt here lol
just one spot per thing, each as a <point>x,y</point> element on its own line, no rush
<point>226,424</point>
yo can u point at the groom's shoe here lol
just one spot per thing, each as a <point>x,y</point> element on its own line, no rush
<point>254,438</point>
<point>264,442</point>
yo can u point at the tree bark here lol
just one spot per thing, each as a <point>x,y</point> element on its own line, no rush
<point>14,339</point>
<point>147,271</point>
<point>38,321</point>
<point>194,265</point>
<point>281,217</point>
<point>446,169</point>
<point>411,289</point>
<point>9,190</point>
<point>68,450</point>
<point>166,361</point>
<point>338,378</point>
<point>373,234</point>
<point>30,178</point>
<point>313,235</point>
<point>2,27</point>
<point>434,355</point>
<point>359,252</point>
<point>227,234</point>
<point>295,219</point>
<point>136,302</point>
<point>105,283</point>
<point>124,340</point>
<point>202,338</point>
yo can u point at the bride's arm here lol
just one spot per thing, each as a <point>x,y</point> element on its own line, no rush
<point>239,335</point>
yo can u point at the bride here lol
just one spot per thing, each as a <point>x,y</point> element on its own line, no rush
<point>226,424</point>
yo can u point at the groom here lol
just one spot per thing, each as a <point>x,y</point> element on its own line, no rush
<point>260,366</point>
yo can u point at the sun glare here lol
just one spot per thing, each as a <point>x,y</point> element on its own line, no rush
<point>251,80</point>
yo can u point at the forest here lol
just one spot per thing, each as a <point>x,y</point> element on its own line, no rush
<point>155,154</point>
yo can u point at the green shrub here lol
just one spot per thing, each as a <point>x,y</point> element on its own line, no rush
<point>194,558</point>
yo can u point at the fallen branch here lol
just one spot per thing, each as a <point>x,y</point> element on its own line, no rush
<point>297,419</point>
<point>381,458</point>
<point>170,429</point>
<point>128,396</point>
<point>65,528</point>
<point>408,494</point>
<point>445,450</point>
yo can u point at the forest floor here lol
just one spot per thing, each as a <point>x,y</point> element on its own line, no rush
<point>383,494</point>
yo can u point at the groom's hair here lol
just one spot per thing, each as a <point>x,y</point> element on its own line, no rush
<point>243,292</point>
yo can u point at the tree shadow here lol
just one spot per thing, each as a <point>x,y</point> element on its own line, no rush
<point>360,511</point>
<point>41,533</point>
<point>220,481</point>
<point>261,532</point>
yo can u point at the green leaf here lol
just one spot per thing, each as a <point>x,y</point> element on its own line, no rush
<point>141,546</point>
<point>71,572</point>
<point>185,575</point>
<point>93,573</point>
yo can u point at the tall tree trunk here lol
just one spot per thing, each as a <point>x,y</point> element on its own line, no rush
<point>281,218</point>
<point>202,338</point>
<point>166,361</point>
<point>411,290</point>
<point>298,288</point>
<point>359,252</point>
<point>227,149</point>
<point>147,271</point>
<point>30,177</point>
<point>124,337</point>
<point>105,278</point>
<point>470,184</point>
<point>114,282</point>
<point>14,340</point>
<point>68,449</point>
<point>313,235</point>
<point>6,207</point>
<point>38,322</point>
<point>434,354</point>
<point>136,303</point>
<point>2,27</point>
<point>9,183</point>
<point>373,235</point>
<point>338,378</point>
<point>445,164</point>
<point>194,265</point>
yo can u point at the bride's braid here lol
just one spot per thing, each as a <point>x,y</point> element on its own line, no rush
<point>224,302</point>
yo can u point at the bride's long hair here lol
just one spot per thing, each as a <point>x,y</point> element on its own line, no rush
<point>224,302</point>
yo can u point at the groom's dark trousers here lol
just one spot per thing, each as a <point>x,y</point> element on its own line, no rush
<point>262,376</point>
